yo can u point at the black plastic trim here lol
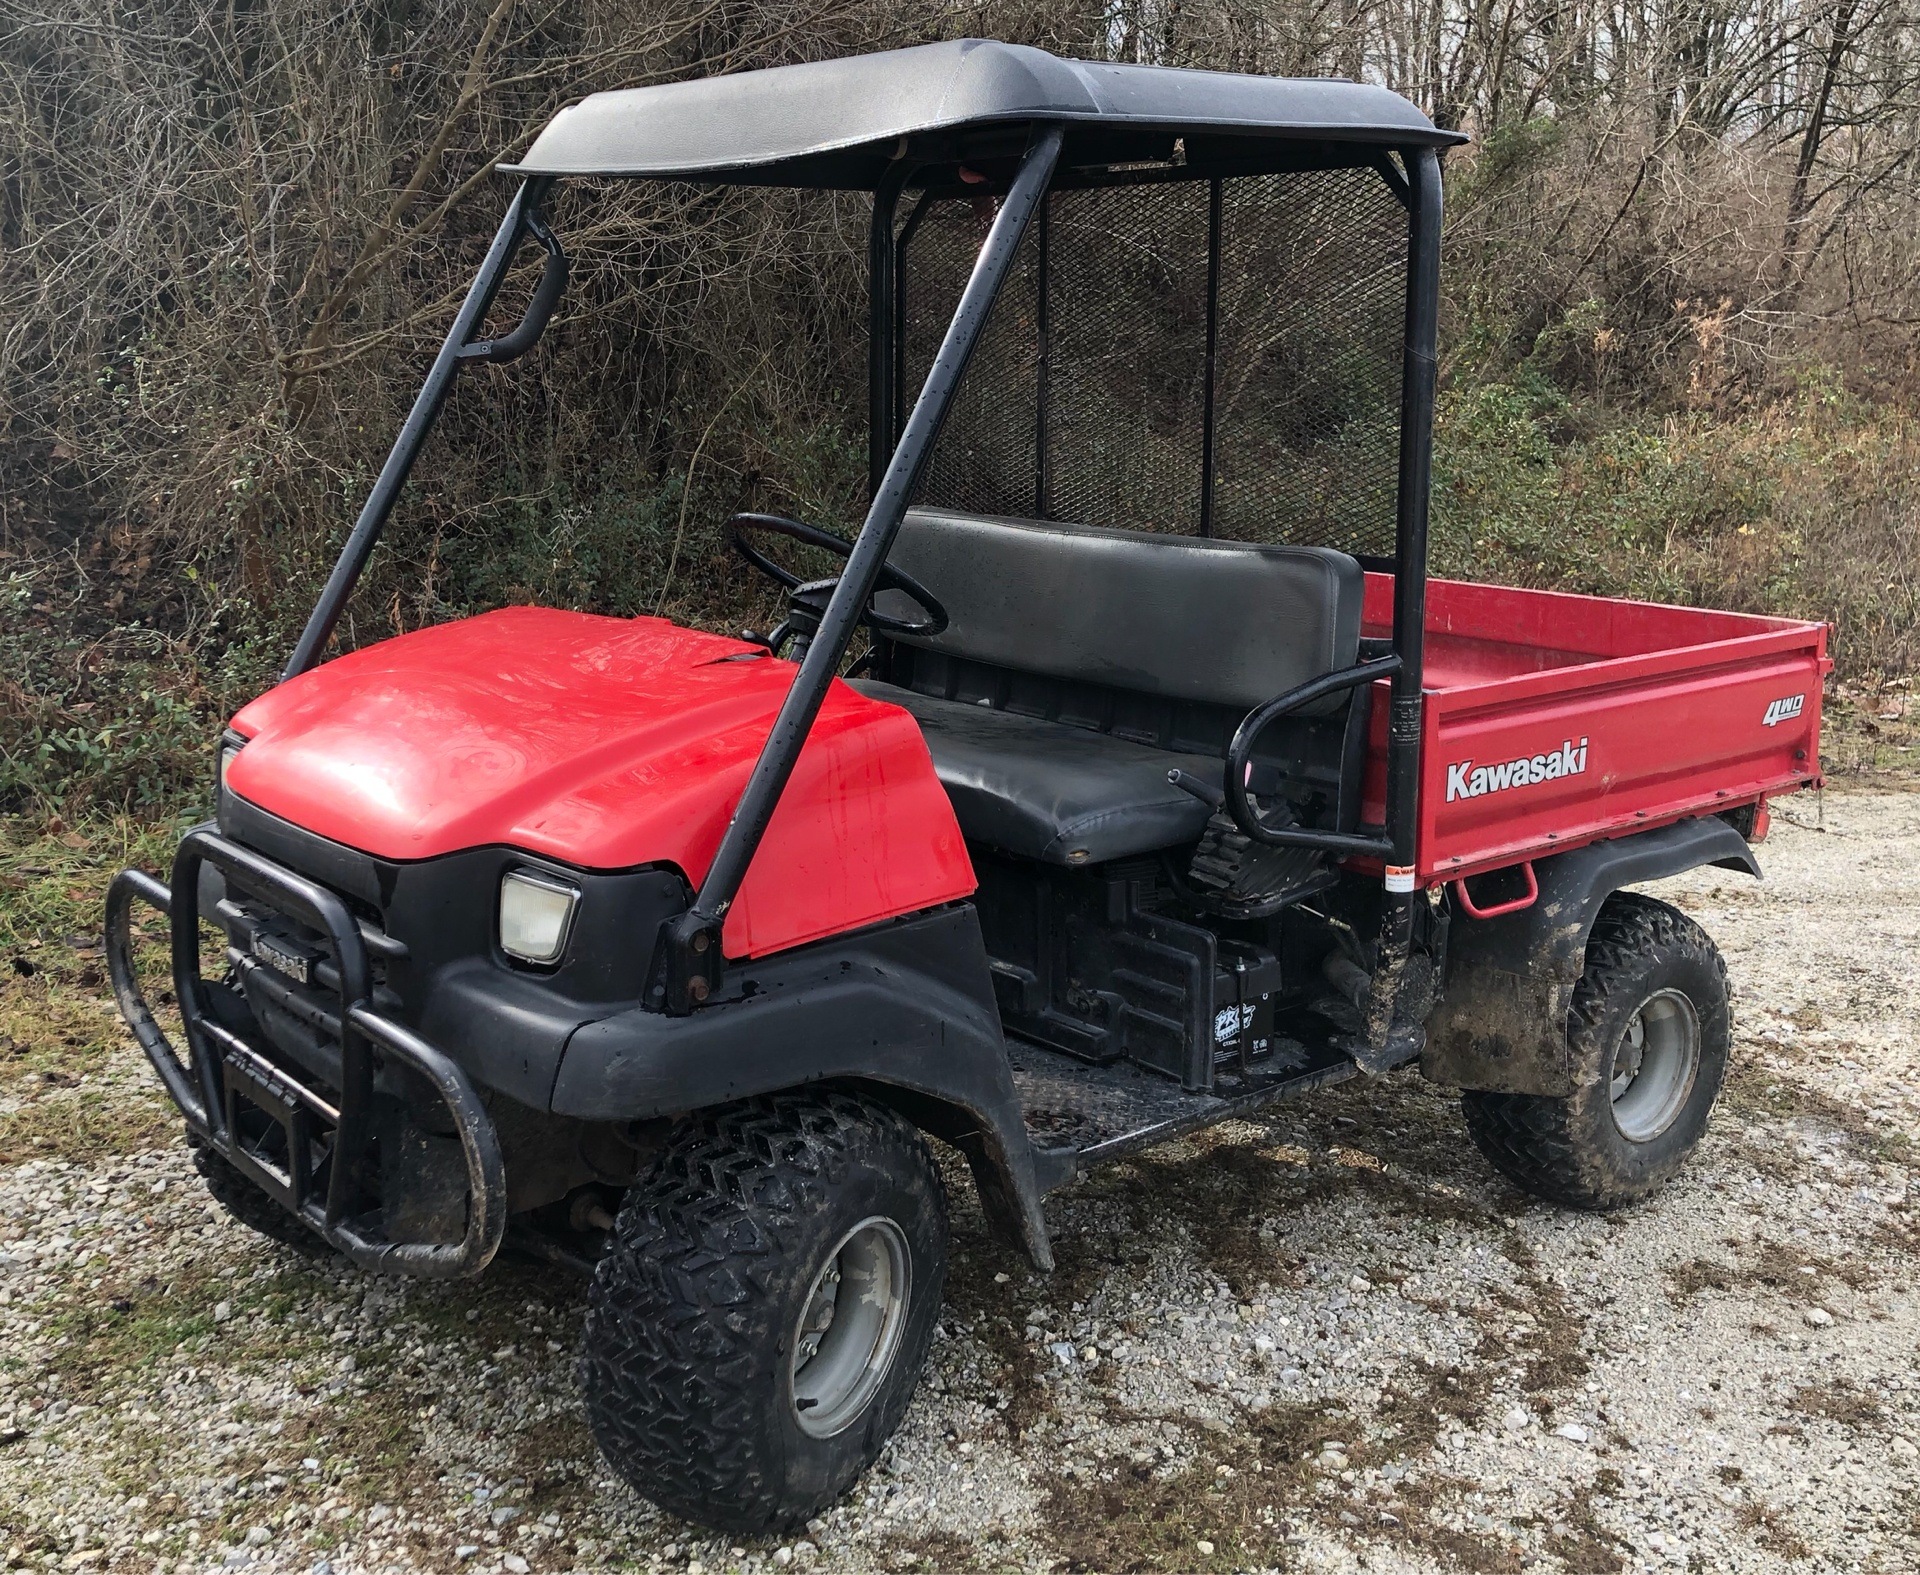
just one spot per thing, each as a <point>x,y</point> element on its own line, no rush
<point>1502,1026</point>
<point>906,1006</point>
<point>505,1021</point>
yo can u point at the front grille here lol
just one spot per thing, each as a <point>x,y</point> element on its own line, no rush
<point>271,938</point>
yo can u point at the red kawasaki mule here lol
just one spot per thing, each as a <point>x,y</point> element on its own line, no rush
<point>1166,785</point>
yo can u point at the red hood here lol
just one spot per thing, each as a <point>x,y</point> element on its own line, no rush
<point>606,743</point>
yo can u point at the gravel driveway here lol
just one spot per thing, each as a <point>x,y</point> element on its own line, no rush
<point>1332,1340</point>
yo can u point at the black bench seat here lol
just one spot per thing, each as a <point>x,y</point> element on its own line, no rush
<point>1082,664</point>
<point>1047,791</point>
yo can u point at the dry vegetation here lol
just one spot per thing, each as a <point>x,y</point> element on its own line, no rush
<point>1679,340</point>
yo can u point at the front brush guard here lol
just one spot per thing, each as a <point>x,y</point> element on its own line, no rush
<point>221,1068</point>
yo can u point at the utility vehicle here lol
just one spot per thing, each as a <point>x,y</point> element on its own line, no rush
<point>1166,784</point>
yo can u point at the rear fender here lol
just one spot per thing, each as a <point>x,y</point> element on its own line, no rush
<point>902,1011</point>
<point>1502,1024</point>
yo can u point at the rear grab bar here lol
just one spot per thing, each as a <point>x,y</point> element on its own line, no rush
<point>1499,909</point>
<point>1240,803</point>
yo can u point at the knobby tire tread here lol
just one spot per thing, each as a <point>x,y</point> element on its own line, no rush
<point>673,1366</point>
<point>1536,1141</point>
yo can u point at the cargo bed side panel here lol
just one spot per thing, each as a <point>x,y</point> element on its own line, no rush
<point>1555,719</point>
<point>1534,765</point>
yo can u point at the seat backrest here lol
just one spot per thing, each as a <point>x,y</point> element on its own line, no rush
<point>1222,623</point>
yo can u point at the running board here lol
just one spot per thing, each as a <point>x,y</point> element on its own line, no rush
<point>1078,1116</point>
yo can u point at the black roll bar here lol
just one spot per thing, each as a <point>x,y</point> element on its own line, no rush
<point>883,295</point>
<point>1406,717</point>
<point>888,429</point>
<point>1216,199</point>
<point>691,942</point>
<point>522,218</point>
<point>1043,364</point>
<point>1392,1033</point>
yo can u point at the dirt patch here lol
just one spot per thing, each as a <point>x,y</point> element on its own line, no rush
<point>1415,1407</point>
<point>1757,1092</point>
<point>1839,1401</point>
<point>1419,1519</point>
<point>1582,1544</point>
<point>1768,1265</point>
<point>1772,1531</point>
<point>1222,1506</point>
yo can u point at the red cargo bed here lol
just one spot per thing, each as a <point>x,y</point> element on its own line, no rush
<point>1555,720</point>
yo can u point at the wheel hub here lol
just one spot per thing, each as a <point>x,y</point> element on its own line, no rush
<point>1654,1066</point>
<point>851,1326</point>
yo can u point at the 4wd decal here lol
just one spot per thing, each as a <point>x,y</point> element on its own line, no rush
<point>1466,780</point>
<point>1784,709</point>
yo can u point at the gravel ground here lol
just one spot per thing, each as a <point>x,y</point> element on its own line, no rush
<point>1333,1340</point>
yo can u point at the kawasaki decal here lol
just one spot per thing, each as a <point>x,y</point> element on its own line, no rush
<point>1466,780</point>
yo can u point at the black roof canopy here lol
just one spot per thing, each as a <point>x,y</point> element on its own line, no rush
<point>841,123</point>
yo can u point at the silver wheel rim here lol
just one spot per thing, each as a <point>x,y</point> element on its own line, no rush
<point>1654,1066</point>
<point>850,1327</point>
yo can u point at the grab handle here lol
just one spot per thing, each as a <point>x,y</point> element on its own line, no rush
<point>546,296</point>
<point>1474,911</point>
<point>1240,805</point>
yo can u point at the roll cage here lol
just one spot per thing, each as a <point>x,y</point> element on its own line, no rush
<point>1007,124</point>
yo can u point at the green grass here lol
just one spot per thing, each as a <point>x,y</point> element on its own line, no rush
<point>70,1085</point>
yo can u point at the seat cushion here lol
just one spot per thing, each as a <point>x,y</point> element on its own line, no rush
<point>1044,790</point>
<point>1226,623</point>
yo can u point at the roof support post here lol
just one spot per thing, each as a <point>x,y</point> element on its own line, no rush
<point>1417,382</point>
<point>1043,371</point>
<point>897,387</point>
<point>1389,1037</point>
<point>883,285</point>
<point>691,943</point>
<point>521,213</point>
<point>1214,203</point>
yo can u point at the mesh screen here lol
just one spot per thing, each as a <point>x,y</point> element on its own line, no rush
<point>1313,291</point>
<point>987,458</point>
<point>1087,398</point>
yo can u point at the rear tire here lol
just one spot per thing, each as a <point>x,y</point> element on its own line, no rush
<point>724,1375</point>
<point>241,1197</point>
<point>1649,1030</point>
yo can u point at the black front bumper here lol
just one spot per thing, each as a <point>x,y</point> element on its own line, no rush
<point>317,1163</point>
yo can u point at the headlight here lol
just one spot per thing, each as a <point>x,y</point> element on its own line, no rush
<point>536,911</point>
<point>230,746</point>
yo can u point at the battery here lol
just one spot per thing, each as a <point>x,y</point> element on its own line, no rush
<point>1245,985</point>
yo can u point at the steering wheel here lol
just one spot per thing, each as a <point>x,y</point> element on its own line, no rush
<point>808,597</point>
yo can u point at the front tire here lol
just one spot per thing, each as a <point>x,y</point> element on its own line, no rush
<point>1649,1031</point>
<point>242,1198</point>
<point>727,1374</point>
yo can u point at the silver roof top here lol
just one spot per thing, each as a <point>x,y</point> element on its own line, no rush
<point>838,122</point>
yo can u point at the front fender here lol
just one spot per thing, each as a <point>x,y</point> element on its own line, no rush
<point>1502,1024</point>
<point>904,1010</point>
